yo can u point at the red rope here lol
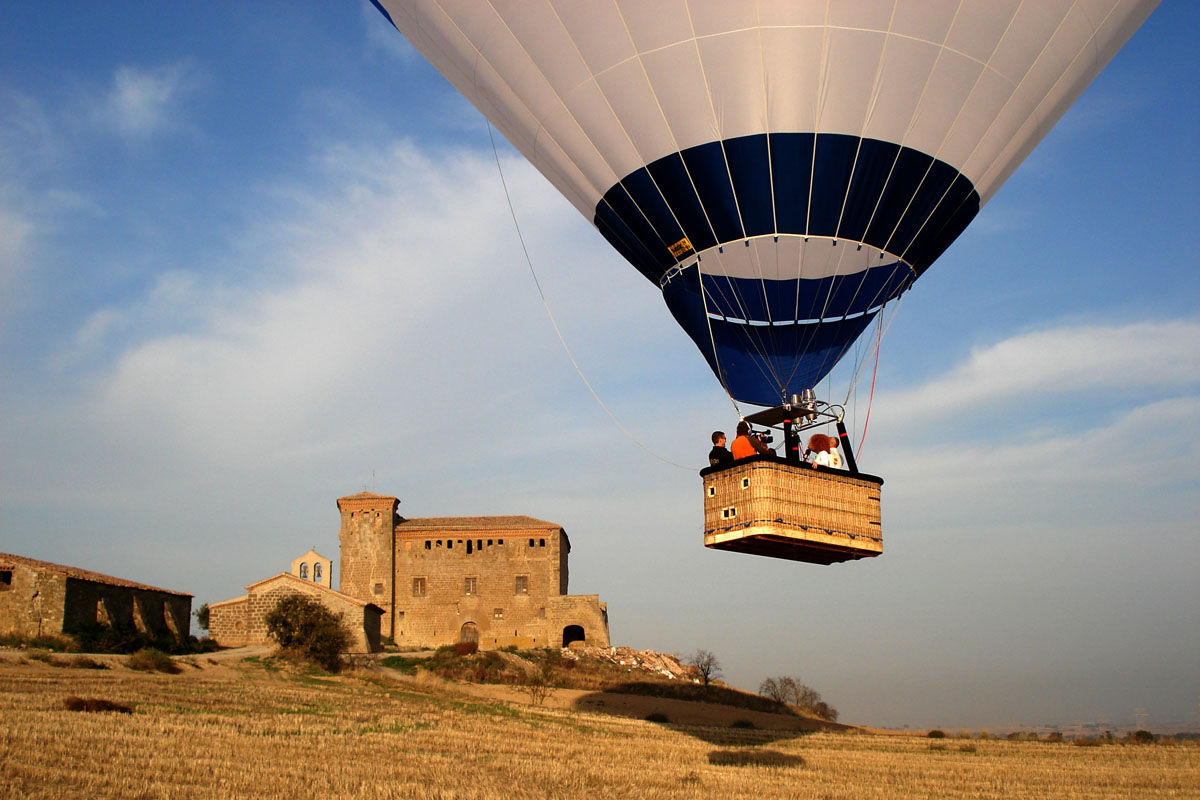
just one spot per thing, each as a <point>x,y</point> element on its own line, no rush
<point>871,398</point>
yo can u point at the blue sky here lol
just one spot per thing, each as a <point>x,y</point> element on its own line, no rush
<point>257,256</point>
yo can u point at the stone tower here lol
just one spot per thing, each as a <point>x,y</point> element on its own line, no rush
<point>366,538</point>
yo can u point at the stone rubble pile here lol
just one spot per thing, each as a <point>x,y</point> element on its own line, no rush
<point>664,664</point>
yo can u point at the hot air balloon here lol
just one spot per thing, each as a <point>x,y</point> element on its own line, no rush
<point>779,169</point>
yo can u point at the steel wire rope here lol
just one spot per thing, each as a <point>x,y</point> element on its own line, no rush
<point>749,331</point>
<point>553,322</point>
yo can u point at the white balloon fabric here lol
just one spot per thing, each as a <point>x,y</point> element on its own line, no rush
<point>780,168</point>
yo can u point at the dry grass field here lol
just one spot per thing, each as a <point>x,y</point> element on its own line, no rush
<point>245,729</point>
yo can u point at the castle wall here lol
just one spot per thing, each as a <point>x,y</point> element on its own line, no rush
<point>505,584</point>
<point>37,600</point>
<point>32,602</point>
<point>242,621</point>
<point>367,570</point>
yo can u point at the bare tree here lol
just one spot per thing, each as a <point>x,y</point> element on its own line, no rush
<point>706,664</point>
<point>791,691</point>
<point>538,684</point>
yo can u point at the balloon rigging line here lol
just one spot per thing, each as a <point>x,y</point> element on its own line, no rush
<point>871,397</point>
<point>554,322</point>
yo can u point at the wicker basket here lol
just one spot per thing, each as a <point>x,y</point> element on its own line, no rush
<point>771,508</point>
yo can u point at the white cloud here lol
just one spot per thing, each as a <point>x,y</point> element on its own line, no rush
<point>1126,359</point>
<point>383,35</point>
<point>15,232</point>
<point>144,102</point>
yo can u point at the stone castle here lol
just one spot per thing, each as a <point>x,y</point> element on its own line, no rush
<point>424,583</point>
<point>497,581</point>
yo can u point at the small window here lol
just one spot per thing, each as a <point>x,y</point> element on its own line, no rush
<point>428,544</point>
<point>304,571</point>
<point>450,545</point>
<point>468,547</point>
<point>727,513</point>
<point>745,483</point>
<point>470,586</point>
<point>489,542</point>
<point>418,587</point>
<point>712,491</point>
<point>522,584</point>
<point>531,542</point>
<point>479,544</point>
<point>499,541</point>
<point>498,613</point>
<point>541,542</point>
<point>379,588</point>
<point>317,572</point>
<point>5,579</point>
<point>439,542</point>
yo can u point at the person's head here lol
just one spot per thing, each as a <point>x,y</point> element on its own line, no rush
<point>718,438</point>
<point>743,428</point>
<point>817,444</point>
<point>833,442</point>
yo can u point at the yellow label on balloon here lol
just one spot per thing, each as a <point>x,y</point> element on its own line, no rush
<point>681,248</point>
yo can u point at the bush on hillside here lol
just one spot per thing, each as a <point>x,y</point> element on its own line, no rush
<point>304,628</point>
<point>95,637</point>
<point>151,660</point>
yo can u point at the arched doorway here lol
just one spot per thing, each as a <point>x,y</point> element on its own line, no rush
<point>469,633</point>
<point>572,633</point>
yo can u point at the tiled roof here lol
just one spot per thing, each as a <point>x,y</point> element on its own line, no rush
<point>510,523</point>
<point>288,577</point>
<point>80,574</point>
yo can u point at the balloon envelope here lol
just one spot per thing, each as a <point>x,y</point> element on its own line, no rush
<point>779,169</point>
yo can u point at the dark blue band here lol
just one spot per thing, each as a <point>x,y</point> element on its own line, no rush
<point>896,199</point>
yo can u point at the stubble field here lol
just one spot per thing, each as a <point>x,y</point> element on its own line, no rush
<point>247,730</point>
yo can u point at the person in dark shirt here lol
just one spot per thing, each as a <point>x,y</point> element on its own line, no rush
<point>719,456</point>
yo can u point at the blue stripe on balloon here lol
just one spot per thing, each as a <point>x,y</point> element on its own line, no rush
<point>893,198</point>
<point>761,364</point>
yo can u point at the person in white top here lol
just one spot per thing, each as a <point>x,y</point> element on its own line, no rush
<point>825,449</point>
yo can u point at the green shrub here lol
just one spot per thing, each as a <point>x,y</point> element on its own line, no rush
<point>201,614</point>
<point>936,734</point>
<point>93,637</point>
<point>1142,737</point>
<point>742,723</point>
<point>466,648</point>
<point>657,717</point>
<point>151,660</point>
<point>58,644</point>
<point>401,664</point>
<point>303,627</point>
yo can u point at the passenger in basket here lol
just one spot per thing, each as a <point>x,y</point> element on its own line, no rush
<point>835,458</point>
<point>747,444</point>
<point>719,456</point>
<point>825,448</point>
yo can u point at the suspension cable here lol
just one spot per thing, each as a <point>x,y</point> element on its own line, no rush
<point>554,322</point>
